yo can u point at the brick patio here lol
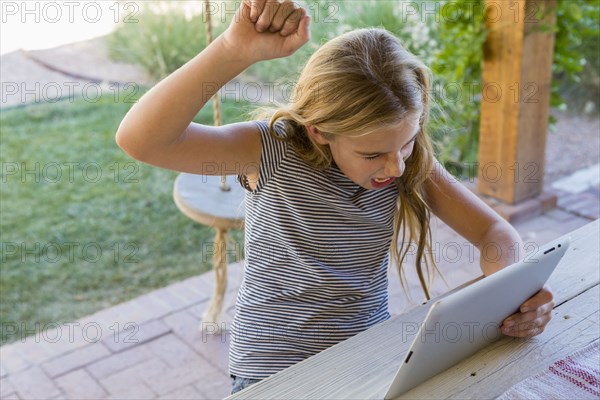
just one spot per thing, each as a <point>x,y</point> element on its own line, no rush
<point>151,347</point>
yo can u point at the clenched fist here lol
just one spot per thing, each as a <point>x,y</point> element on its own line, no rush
<point>267,29</point>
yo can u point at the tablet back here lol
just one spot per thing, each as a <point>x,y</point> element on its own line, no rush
<point>464,322</point>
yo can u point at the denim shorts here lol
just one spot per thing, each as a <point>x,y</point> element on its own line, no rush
<point>238,383</point>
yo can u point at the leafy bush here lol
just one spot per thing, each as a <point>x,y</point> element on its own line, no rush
<point>576,68</point>
<point>457,68</point>
<point>159,41</point>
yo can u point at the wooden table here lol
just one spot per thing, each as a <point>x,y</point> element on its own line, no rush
<point>363,366</point>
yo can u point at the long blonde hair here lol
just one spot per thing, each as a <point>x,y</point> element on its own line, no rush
<point>351,86</point>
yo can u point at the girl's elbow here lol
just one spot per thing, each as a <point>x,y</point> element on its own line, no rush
<point>126,141</point>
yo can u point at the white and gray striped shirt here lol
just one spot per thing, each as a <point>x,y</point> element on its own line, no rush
<point>316,258</point>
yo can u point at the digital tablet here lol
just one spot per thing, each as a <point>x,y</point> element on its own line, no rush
<point>464,322</point>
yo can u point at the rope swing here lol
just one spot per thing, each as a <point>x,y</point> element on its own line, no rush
<point>212,202</point>
<point>215,99</point>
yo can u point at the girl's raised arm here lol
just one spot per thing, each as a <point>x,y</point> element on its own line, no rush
<point>158,129</point>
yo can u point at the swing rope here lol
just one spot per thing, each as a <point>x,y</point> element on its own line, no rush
<point>215,99</point>
<point>219,256</point>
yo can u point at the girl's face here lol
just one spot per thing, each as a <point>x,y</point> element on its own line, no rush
<point>374,161</point>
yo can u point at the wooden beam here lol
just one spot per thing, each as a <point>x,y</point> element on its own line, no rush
<point>517,76</point>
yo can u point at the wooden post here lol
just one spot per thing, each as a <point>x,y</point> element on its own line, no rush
<point>517,74</point>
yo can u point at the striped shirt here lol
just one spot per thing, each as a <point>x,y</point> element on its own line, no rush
<point>316,258</point>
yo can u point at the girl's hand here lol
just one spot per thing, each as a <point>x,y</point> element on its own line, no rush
<point>267,29</point>
<point>533,317</point>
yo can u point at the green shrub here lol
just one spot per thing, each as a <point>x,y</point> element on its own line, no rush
<point>576,68</point>
<point>159,42</point>
<point>457,68</point>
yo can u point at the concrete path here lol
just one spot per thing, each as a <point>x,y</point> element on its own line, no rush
<point>65,72</point>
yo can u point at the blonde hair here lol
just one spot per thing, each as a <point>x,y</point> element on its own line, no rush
<point>353,85</point>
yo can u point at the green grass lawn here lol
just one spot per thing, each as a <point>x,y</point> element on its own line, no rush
<point>83,226</point>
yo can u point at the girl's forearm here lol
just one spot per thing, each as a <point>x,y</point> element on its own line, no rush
<point>161,116</point>
<point>500,247</point>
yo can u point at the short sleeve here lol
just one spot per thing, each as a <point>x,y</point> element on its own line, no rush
<point>273,151</point>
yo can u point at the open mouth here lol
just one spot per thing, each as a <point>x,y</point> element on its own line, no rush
<point>381,182</point>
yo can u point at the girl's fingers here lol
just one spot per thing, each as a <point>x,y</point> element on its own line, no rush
<point>528,326</point>
<point>283,13</point>
<point>527,330</point>
<point>293,22</point>
<point>304,29</point>
<point>266,15</point>
<point>245,36</point>
<point>295,40</point>
<point>256,9</point>
<point>526,333</point>
<point>524,318</point>
<point>543,297</point>
<point>533,317</point>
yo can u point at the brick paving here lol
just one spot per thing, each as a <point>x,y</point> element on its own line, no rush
<point>152,347</point>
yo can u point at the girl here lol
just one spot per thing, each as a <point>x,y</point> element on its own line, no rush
<point>332,179</point>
